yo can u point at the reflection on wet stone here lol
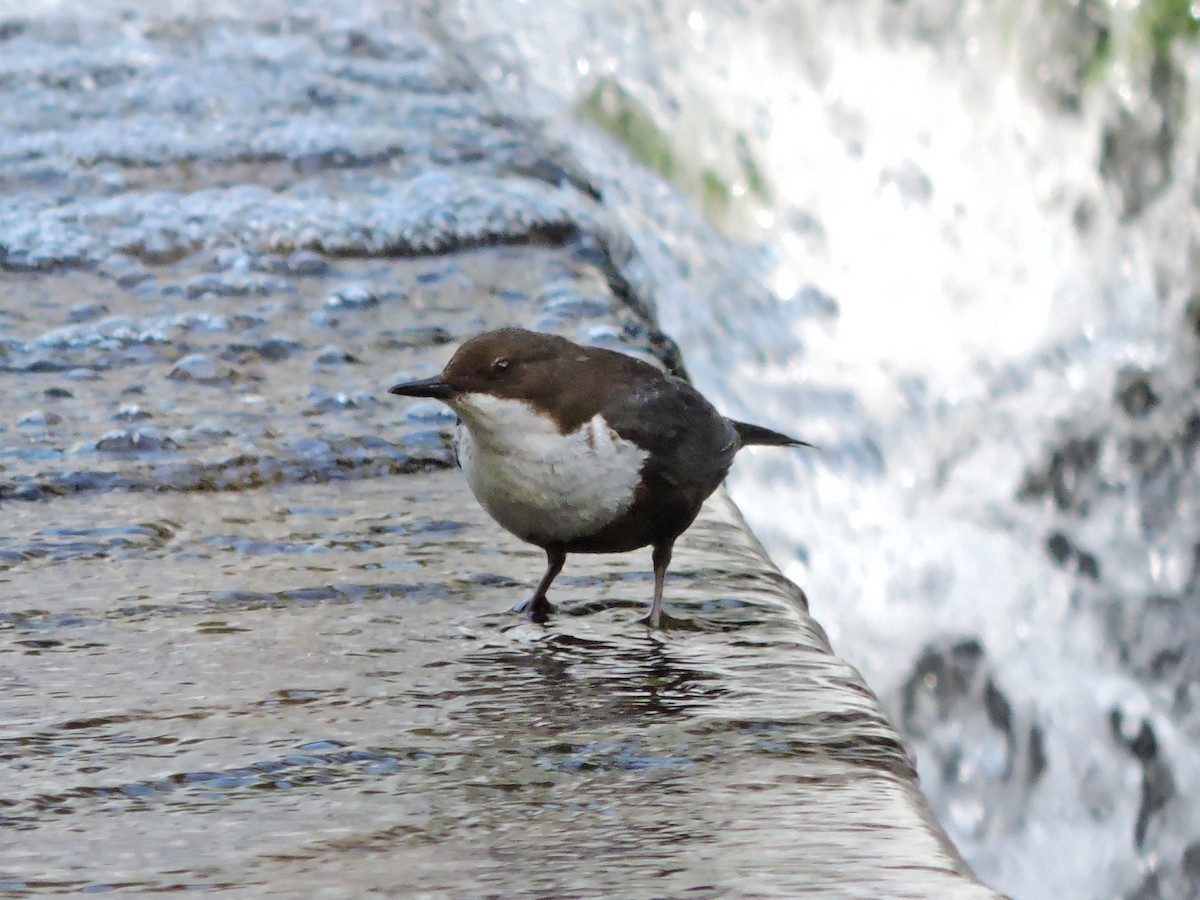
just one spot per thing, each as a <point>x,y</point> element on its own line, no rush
<point>39,418</point>
<point>136,440</point>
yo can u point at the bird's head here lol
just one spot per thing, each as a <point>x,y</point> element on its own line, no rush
<point>509,363</point>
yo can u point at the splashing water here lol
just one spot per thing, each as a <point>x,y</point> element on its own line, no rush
<point>976,227</point>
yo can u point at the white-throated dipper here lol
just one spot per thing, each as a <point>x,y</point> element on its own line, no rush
<point>582,450</point>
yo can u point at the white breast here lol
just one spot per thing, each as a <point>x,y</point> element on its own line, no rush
<point>540,484</point>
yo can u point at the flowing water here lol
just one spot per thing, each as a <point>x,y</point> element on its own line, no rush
<point>973,280</point>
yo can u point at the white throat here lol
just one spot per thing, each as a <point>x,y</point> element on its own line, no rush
<point>540,484</point>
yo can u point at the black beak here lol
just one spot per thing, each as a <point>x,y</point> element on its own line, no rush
<point>427,387</point>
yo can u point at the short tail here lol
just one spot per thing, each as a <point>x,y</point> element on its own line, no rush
<point>765,437</point>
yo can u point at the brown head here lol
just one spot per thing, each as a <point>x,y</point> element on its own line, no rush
<point>565,380</point>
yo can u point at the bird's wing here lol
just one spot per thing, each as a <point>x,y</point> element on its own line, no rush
<point>689,444</point>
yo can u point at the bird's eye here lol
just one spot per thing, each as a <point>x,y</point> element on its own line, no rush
<point>500,365</point>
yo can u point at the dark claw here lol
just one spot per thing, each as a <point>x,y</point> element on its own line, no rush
<point>536,609</point>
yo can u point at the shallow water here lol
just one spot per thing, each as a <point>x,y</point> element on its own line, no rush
<point>322,688</point>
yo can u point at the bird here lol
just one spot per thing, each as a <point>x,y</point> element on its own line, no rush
<point>580,449</point>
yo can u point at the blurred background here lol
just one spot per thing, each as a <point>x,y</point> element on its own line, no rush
<point>958,248</point>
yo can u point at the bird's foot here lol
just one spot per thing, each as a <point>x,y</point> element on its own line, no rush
<point>537,609</point>
<point>668,622</point>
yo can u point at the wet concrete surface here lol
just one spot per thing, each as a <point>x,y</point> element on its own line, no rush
<point>255,635</point>
<point>322,687</point>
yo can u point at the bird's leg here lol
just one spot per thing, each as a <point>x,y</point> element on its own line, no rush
<point>538,607</point>
<point>661,558</point>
